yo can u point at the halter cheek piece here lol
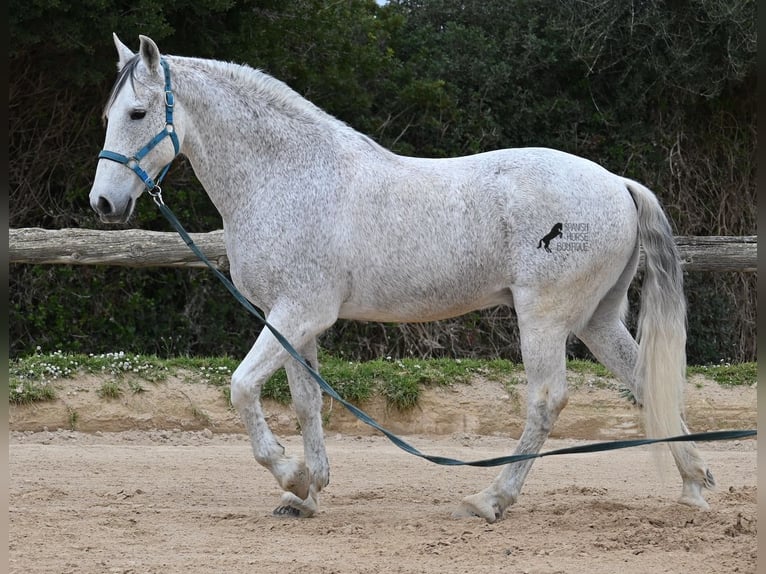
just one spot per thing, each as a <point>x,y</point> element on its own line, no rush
<point>134,161</point>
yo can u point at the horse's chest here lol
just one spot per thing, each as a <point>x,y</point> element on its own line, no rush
<point>269,266</point>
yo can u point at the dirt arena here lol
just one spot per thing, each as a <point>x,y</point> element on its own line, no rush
<point>154,490</point>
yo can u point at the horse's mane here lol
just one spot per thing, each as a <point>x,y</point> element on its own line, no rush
<point>270,89</point>
<point>267,87</point>
<point>274,92</point>
<point>277,94</point>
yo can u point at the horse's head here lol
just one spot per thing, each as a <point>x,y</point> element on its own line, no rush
<point>141,135</point>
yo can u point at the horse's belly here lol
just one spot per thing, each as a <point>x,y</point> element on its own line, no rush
<point>407,306</point>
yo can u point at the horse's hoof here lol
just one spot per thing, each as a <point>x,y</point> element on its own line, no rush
<point>694,499</point>
<point>463,511</point>
<point>477,505</point>
<point>293,507</point>
<point>286,512</point>
<point>698,503</point>
<point>691,494</point>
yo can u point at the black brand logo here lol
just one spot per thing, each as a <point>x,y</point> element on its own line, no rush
<point>555,232</point>
<point>570,236</point>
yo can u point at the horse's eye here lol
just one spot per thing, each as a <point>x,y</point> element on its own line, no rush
<point>137,114</point>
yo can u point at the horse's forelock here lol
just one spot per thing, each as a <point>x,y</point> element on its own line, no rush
<point>127,71</point>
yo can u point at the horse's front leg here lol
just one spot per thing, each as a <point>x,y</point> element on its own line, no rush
<point>307,402</point>
<point>263,360</point>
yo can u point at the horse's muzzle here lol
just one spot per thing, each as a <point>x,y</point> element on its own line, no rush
<point>109,213</point>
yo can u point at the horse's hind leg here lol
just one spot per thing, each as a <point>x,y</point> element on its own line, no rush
<point>543,353</point>
<point>307,401</point>
<point>612,344</point>
<point>607,337</point>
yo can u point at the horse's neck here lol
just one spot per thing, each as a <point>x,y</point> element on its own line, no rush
<point>242,138</point>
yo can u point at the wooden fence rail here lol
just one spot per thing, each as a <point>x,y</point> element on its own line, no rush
<point>139,248</point>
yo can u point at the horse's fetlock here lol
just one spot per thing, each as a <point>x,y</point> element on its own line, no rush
<point>264,461</point>
<point>293,476</point>
<point>322,482</point>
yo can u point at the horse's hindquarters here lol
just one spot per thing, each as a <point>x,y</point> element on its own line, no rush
<point>574,233</point>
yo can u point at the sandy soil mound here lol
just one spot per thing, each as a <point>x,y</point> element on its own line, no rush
<point>595,410</point>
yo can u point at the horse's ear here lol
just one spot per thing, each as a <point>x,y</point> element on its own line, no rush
<point>150,54</point>
<point>124,53</point>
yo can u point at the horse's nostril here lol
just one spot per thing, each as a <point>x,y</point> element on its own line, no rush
<point>103,206</point>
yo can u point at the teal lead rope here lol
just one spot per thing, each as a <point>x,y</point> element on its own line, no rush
<point>365,418</point>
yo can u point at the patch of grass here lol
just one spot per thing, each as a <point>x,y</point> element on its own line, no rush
<point>136,387</point>
<point>277,389</point>
<point>27,392</point>
<point>226,392</point>
<point>400,381</point>
<point>123,365</point>
<point>73,418</point>
<point>109,390</point>
<point>628,395</point>
<point>32,378</point>
<point>402,393</point>
<point>42,368</point>
<point>199,414</point>
<point>738,374</point>
<point>355,382</point>
<point>356,390</point>
<point>59,365</point>
<point>213,370</point>
<point>588,368</point>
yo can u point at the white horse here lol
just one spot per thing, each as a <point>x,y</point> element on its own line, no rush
<point>322,223</point>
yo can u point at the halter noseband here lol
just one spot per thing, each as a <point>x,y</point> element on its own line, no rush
<point>133,162</point>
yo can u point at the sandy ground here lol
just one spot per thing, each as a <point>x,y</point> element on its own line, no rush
<point>185,495</point>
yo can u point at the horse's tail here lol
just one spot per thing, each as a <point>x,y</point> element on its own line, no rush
<point>661,334</point>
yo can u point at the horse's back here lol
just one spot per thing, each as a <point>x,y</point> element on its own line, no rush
<point>451,235</point>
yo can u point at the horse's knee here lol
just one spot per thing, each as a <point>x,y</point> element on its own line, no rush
<point>242,394</point>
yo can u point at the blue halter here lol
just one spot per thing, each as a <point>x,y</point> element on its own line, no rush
<point>134,161</point>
